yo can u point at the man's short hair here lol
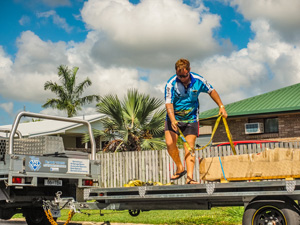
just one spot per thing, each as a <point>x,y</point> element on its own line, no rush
<point>182,64</point>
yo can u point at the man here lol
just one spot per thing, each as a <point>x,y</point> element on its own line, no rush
<point>181,95</point>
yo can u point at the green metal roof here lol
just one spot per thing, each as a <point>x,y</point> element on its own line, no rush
<point>281,100</point>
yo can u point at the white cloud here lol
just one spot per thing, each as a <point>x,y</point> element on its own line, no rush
<point>5,63</point>
<point>38,56</point>
<point>86,110</point>
<point>54,112</point>
<point>59,21</point>
<point>25,20</point>
<point>36,62</point>
<point>7,107</point>
<point>152,37</point>
<point>282,15</point>
<point>136,46</point>
<point>151,33</point>
<point>268,63</point>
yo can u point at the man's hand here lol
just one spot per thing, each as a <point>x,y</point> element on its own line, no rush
<point>215,96</point>
<point>174,125</point>
<point>170,111</point>
<point>222,111</point>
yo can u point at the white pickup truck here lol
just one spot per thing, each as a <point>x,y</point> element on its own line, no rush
<point>33,170</point>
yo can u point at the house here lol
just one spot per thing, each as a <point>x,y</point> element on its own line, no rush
<point>274,115</point>
<point>71,133</point>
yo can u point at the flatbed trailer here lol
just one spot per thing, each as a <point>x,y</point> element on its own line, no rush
<point>266,202</point>
<point>193,196</point>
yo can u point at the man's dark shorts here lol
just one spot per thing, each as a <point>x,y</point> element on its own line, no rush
<point>186,128</point>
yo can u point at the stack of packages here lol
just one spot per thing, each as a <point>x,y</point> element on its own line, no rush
<point>275,163</point>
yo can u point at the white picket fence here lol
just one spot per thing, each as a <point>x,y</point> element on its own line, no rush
<point>157,166</point>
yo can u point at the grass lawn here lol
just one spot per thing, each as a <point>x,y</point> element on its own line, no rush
<point>215,216</point>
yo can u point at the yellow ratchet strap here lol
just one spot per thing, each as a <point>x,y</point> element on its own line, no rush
<point>192,151</point>
<point>229,135</point>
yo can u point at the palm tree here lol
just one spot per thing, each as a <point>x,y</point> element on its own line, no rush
<point>68,94</point>
<point>134,124</point>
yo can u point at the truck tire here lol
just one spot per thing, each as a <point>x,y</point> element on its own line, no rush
<point>278,213</point>
<point>6,214</point>
<point>36,216</point>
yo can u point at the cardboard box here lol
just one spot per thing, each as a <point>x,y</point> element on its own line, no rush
<point>269,164</point>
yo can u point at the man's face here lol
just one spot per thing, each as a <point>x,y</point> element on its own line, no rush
<point>183,74</point>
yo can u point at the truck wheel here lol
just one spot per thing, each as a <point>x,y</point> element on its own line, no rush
<point>135,212</point>
<point>6,214</point>
<point>277,213</point>
<point>36,216</point>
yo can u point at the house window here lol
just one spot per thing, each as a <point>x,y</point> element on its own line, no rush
<point>271,125</point>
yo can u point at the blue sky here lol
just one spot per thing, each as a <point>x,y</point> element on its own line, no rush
<point>243,48</point>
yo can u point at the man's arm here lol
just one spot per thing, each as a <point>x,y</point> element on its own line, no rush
<point>215,96</point>
<point>171,114</point>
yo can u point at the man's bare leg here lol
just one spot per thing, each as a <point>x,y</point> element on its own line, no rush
<point>190,161</point>
<point>171,140</point>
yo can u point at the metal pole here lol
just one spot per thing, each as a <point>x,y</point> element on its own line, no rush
<point>42,116</point>
<point>7,131</point>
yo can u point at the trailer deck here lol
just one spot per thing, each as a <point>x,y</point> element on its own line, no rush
<point>196,196</point>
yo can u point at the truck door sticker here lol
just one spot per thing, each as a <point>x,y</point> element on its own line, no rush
<point>35,164</point>
<point>54,165</point>
<point>79,166</point>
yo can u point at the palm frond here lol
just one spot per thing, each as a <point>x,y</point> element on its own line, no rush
<point>55,88</point>
<point>156,123</point>
<point>63,74</point>
<point>80,87</point>
<point>68,94</point>
<point>131,106</point>
<point>136,120</point>
<point>110,126</point>
<point>149,106</point>
<point>53,103</point>
<point>153,144</point>
<point>110,105</point>
<point>89,99</point>
<point>96,133</point>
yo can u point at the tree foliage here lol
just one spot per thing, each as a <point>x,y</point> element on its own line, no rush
<point>69,96</point>
<point>133,124</point>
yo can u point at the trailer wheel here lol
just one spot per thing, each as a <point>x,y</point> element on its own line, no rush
<point>36,216</point>
<point>274,213</point>
<point>135,212</point>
